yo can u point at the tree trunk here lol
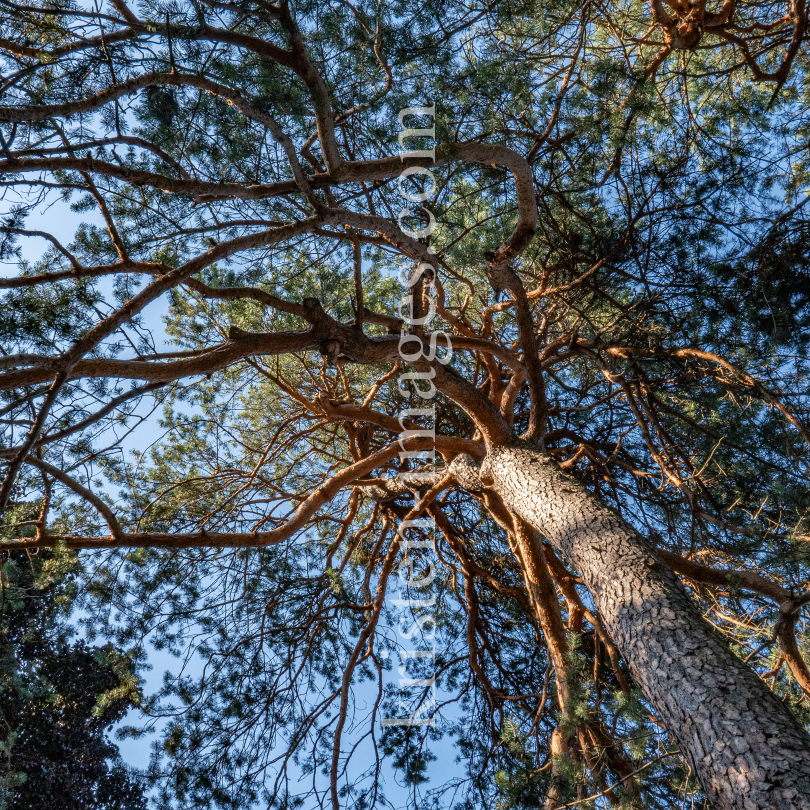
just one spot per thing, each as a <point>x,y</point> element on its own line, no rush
<point>745,747</point>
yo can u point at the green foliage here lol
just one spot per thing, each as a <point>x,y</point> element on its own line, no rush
<point>671,217</point>
<point>59,697</point>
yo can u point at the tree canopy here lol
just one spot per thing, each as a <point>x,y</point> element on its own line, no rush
<point>245,244</point>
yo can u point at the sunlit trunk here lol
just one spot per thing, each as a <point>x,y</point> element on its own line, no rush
<point>744,745</point>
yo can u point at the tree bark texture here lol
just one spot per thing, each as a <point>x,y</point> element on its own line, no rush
<point>744,745</point>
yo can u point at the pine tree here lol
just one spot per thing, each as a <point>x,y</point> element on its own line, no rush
<point>611,309</point>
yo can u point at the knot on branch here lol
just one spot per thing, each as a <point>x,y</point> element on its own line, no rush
<point>684,31</point>
<point>315,313</point>
<point>312,305</point>
<point>500,272</point>
<point>466,472</point>
<point>330,349</point>
<point>235,333</point>
<point>690,28</point>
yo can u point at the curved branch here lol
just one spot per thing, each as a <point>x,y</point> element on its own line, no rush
<point>256,539</point>
<point>115,527</point>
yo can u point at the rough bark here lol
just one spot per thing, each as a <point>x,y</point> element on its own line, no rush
<point>745,747</point>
